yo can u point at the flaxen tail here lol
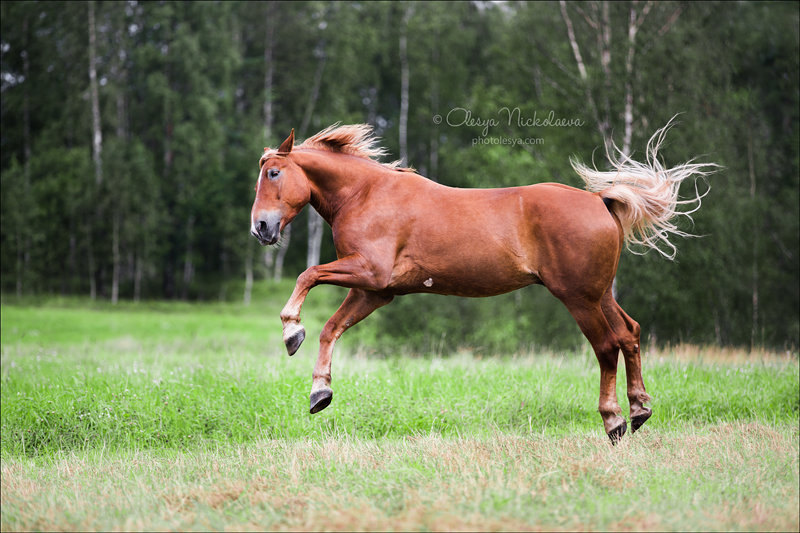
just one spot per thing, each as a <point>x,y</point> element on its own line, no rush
<point>645,195</point>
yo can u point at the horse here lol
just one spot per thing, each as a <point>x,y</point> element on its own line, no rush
<point>396,232</point>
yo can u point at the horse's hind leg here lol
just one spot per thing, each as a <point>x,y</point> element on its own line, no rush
<point>356,306</point>
<point>595,327</point>
<point>628,332</point>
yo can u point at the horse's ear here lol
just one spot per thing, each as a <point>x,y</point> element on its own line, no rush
<point>286,146</point>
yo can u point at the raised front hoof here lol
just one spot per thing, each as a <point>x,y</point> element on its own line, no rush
<point>320,399</point>
<point>639,420</point>
<point>616,434</point>
<point>295,339</point>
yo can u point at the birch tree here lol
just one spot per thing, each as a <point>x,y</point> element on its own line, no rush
<point>404,81</point>
<point>97,140</point>
<point>315,222</point>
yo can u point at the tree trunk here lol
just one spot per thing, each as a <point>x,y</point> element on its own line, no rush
<point>628,114</point>
<point>404,81</point>
<point>604,39</point>
<point>170,267</point>
<point>582,72</point>
<point>26,104</point>
<point>314,237</point>
<point>97,145</point>
<point>635,22</point>
<point>222,296</point>
<point>118,71</point>
<point>756,231</point>
<point>72,258</point>
<point>269,70</point>
<point>115,258</point>
<point>434,142</point>
<point>20,270</point>
<point>23,236</point>
<point>576,50</point>
<point>248,275</point>
<point>314,96</point>
<point>188,264</point>
<point>314,220</point>
<point>97,133</point>
<point>90,261</point>
<point>137,278</point>
<point>142,253</point>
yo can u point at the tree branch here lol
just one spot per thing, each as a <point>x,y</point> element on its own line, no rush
<point>576,51</point>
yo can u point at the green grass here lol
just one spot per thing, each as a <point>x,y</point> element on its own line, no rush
<point>179,416</point>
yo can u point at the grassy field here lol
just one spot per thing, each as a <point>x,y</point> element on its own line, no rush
<point>191,417</point>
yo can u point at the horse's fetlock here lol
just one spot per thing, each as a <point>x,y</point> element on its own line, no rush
<point>289,318</point>
<point>609,410</point>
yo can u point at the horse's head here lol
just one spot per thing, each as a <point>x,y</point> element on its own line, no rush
<point>282,190</point>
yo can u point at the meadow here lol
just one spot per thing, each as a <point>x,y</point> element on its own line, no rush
<point>157,416</point>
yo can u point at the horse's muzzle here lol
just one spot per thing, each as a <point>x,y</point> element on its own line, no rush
<point>267,227</point>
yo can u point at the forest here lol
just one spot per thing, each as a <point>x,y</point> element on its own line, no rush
<point>131,133</point>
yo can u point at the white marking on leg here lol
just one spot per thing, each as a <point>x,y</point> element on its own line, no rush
<point>291,311</point>
<point>290,329</point>
<point>320,384</point>
<point>428,282</point>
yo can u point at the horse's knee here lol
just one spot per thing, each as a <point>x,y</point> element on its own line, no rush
<point>308,277</point>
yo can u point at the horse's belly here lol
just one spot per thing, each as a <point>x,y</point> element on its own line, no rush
<point>462,278</point>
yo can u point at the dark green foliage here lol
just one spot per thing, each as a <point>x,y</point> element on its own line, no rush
<point>182,92</point>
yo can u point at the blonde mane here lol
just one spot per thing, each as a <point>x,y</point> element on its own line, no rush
<point>354,139</point>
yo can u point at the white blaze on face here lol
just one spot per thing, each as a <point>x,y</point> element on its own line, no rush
<point>428,282</point>
<point>258,182</point>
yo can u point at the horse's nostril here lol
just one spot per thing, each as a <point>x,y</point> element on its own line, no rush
<point>262,227</point>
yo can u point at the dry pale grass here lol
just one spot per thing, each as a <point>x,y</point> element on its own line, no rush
<point>731,476</point>
<point>721,354</point>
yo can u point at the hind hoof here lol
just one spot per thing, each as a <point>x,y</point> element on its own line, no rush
<point>294,337</point>
<point>320,400</point>
<point>639,420</point>
<point>616,434</point>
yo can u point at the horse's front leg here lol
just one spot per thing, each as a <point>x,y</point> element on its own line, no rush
<point>351,271</point>
<point>357,305</point>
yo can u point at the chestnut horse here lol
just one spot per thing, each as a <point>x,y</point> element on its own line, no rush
<point>397,232</point>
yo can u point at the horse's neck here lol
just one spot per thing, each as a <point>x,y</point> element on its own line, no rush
<point>335,179</point>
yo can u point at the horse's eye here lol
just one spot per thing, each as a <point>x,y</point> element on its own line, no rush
<point>273,173</point>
